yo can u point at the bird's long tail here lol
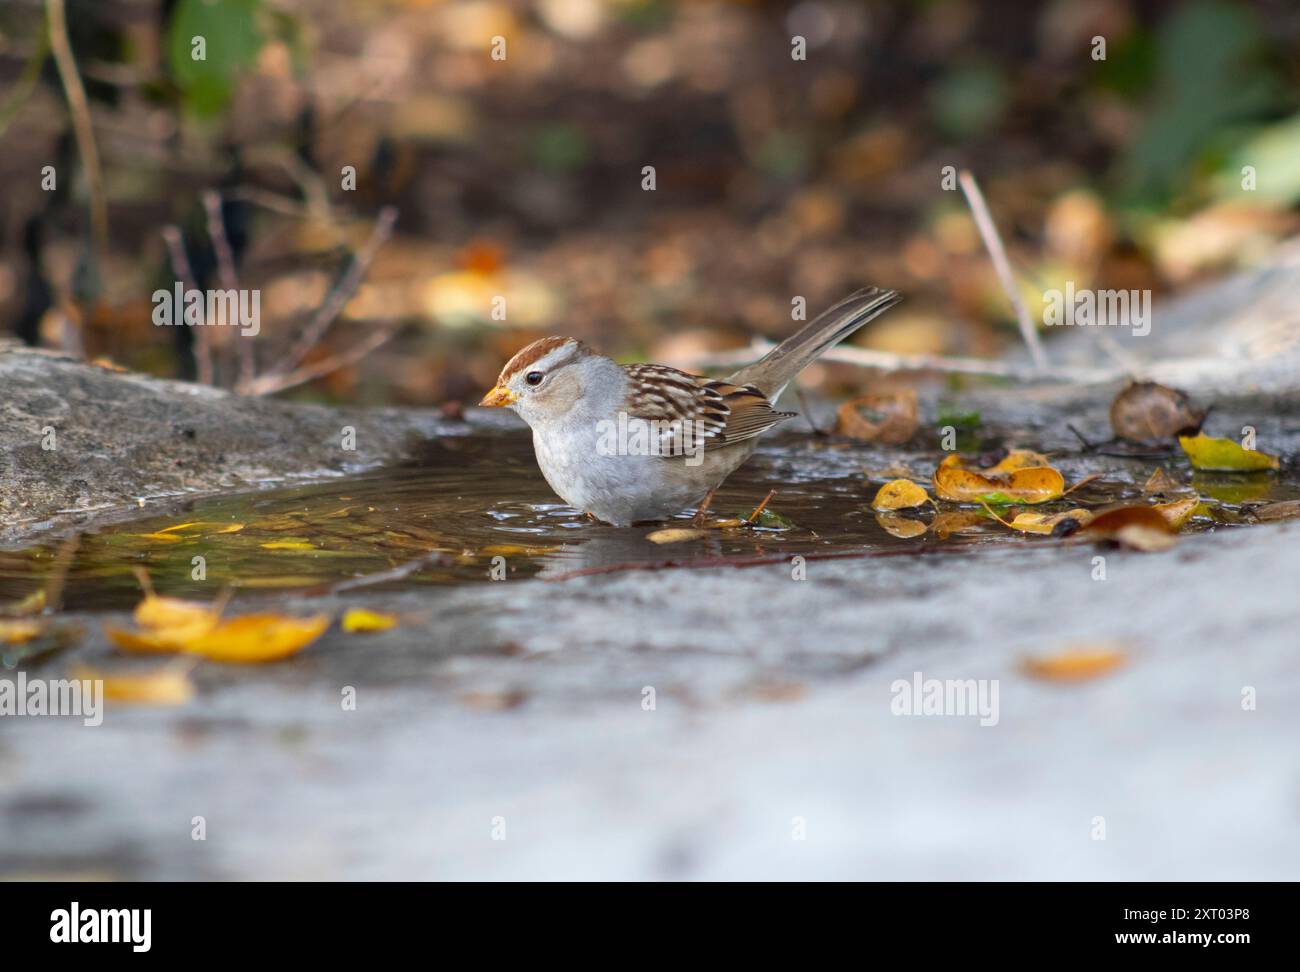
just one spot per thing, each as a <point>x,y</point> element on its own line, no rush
<point>782,364</point>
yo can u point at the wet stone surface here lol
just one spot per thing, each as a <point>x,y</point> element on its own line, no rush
<point>525,701</point>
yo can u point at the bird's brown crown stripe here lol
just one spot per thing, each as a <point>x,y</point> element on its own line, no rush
<point>534,353</point>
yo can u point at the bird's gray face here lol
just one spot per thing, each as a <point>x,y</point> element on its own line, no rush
<point>546,380</point>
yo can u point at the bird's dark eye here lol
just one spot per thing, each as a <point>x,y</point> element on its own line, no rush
<point>534,377</point>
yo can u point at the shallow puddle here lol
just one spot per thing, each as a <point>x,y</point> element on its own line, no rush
<point>479,498</point>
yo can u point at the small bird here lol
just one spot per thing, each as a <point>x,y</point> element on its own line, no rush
<point>634,443</point>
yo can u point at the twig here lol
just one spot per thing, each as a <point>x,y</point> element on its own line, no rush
<point>85,134</point>
<point>761,506</point>
<point>1087,446</point>
<point>993,243</point>
<point>181,266</point>
<point>226,271</point>
<point>271,383</point>
<point>888,361</point>
<point>27,81</point>
<point>58,576</point>
<point>340,295</point>
<point>434,559</point>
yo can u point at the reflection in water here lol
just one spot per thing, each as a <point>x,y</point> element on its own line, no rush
<point>472,499</point>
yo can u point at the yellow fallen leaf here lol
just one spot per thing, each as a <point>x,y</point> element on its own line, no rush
<point>167,685</point>
<point>1019,459</point>
<point>20,631</point>
<point>288,545</point>
<point>1013,483</point>
<point>254,638</point>
<point>1224,455</point>
<point>676,535</point>
<point>159,537</point>
<point>205,526</point>
<point>512,550</point>
<point>361,620</point>
<point>1043,523</point>
<point>1075,664</point>
<point>903,527</point>
<point>1179,512</point>
<point>900,494</point>
<point>33,603</point>
<point>165,625</point>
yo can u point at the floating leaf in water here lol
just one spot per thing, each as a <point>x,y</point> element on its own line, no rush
<point>166,685</point>
<point>887,419</point>
<point>1136,527</point>
<point>944,524</point>
<point>165,625</point>
<point>900,494</point>
<point>676,535</point>
<point>1054,524</point>
<point>1016,479</point>
<point>512,550</point>
<point>1075,664</point>
<point>357,620</point>
<point>903,527</point>
<point>291,543</point>
<point>1147,412</point>
<point>202,527</point>
<point>1224,455</point>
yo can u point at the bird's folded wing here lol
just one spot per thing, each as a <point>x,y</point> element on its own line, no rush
<point>688,409</point>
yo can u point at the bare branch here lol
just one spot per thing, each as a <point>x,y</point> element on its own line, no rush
<point>340,295</point>
<point>85,134</point>
<point>226,271</point>
<point>181,267</point>
<point>270,383</point>
<point>993,243</point>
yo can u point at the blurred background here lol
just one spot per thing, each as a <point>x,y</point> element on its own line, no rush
<point>522,177</point>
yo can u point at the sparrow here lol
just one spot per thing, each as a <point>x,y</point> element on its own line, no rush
<point>642,442</point>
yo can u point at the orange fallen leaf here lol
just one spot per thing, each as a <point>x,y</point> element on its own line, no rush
<point>167,685</point>
<point>165,625</point>
<point>1075,664</point>
<point>254,638</point>
<point>20,631</point>
<point>1136,527</point>
<point>1010,481</point>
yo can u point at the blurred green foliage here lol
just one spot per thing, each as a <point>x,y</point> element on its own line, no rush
<point>231,39</point>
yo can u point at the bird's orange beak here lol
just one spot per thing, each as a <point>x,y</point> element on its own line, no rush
<point>499,397</point>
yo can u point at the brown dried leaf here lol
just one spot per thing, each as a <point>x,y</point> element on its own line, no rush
<point>1147,412</point>
<point>888,419</point>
